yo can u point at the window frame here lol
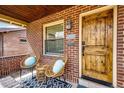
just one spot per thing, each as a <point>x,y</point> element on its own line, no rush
<point>44,36</point>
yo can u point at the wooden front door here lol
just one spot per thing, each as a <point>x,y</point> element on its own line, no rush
<point>1,44</point>
<point>97,46</point>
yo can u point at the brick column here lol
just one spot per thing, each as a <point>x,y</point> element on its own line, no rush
<point>120,47</point>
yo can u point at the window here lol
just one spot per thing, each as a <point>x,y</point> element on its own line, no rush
<point>22,39</point>
<point>54,38</point>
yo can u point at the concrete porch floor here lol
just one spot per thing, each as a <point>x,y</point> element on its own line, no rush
<point>82,82</point>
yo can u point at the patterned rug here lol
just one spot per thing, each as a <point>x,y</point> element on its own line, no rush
<point>51,83</point>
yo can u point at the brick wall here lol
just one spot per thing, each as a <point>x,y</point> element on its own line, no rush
<point>10,64</point>
<point>12,44</point>
<point>35,36</point>
<point>120,47</point>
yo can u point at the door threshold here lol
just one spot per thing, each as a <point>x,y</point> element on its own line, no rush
<point>97,81</point>
<point>91,84</point>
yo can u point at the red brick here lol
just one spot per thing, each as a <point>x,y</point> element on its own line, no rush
<point>35,36</point>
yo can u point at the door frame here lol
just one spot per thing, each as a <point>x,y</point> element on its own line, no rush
<point>105,8</point>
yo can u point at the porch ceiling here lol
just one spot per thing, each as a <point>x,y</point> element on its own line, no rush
<point>29,13</point>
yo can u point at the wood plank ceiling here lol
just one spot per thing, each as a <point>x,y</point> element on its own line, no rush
<point>29,13</point>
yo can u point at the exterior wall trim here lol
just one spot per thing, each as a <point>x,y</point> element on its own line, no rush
<point>114,38</point>
<point>44,29</point>
<point>13,20</point>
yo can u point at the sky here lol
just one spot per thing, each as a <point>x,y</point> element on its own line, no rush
<point>7,25</point>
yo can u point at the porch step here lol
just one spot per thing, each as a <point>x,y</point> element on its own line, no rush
<point>91,84</point>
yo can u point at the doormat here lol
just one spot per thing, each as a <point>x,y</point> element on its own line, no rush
<point>51,83</point>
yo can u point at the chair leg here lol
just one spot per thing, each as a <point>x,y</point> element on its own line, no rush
<point>32,72</point>
<point>46,80</point>
<point>20,73</point>
<point>59,77</point>
<point>20,77</point>
<point>64,77</point>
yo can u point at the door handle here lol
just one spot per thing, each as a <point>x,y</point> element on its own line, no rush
<point>83,47</point>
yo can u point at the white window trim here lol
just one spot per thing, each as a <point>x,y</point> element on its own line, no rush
<point>44,35</point>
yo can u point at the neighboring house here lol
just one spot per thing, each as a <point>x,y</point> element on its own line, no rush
<point>13,42</point>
